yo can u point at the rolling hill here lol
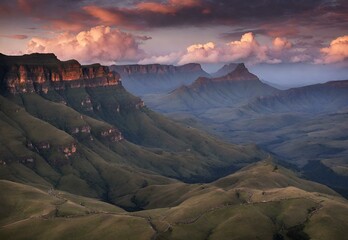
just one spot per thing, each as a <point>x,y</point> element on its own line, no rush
<point>263,201</point>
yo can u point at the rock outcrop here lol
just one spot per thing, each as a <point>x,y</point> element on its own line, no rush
<point>157,78</point>
<point>136,69</point>
<point>42,72</point>
<point>112,134</point>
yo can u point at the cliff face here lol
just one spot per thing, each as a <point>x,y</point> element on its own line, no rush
<point>41,72</point>
<point>156,69</point>
<point>156,78</point>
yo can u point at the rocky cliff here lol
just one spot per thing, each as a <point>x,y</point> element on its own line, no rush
<point>137,69</point>
<point>157,78</point>
<point>42,72</point>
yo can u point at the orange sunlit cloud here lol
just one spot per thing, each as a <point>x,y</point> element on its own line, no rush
<point>156,7</point>
<point>104,15</point>
<point>15,36</point>
<point>98,44</point>
<point>247,49</point>
<point>280,43</point>
<point>170,7</point>
<point>66,25</point>
<point>336,52</point>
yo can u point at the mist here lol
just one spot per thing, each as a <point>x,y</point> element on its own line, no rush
<point>295,75</point>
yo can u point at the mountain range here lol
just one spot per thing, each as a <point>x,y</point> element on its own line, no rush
<point>299,125</point>
<point>81,157</point>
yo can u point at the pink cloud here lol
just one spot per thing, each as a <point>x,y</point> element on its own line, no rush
<point>15,36</point>
<point>105,15</point>
<point>170,7</point>
<point>280,43</point>
<point>336,52</point>
<point>207,52</point>
<point>247,49</point>
<point>65,25</point>
<point>186,3</point>
<point>99,44</point>
<point>164,59</point>
<point>156,7</point>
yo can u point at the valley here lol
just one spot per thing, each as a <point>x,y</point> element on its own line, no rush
<point>298,125</point>
<point>81,157</point>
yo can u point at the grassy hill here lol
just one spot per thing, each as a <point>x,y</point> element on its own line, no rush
<point>278,206</point>
<point>73,140</point>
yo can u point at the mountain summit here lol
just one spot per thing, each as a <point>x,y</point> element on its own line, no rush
<point>224,70</point>
<point>239,73</point>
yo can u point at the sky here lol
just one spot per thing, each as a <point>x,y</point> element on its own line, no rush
<point>284,41</point>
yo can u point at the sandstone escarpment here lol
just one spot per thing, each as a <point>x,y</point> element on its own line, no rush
<point>42,72</point>
<point>156,69</point>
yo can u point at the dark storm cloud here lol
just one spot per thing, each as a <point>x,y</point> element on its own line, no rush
<point>170,13</point>
<point>150,14</point>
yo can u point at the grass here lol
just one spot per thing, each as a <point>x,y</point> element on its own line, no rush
<point>200,211</point>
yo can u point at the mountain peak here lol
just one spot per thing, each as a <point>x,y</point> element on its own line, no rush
<point>238,74</point>
<point>224,70</point>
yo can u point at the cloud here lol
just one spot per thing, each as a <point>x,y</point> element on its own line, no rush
<point>300,58</point>
<point>270,17</point>
<point>15,36</point>
<point>170,7</point>
<point>205,53</point>
<point>156,7</point>
<point>65,25</point>
<point>108,16</point>
<point>248,49</point>
<point>280,43</point>
<point>336,52</point>
<point>170,58</point>
<point>99,44</point>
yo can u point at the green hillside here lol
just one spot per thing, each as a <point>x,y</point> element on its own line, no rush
<point>235,207</point>
<point>79,147</point>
